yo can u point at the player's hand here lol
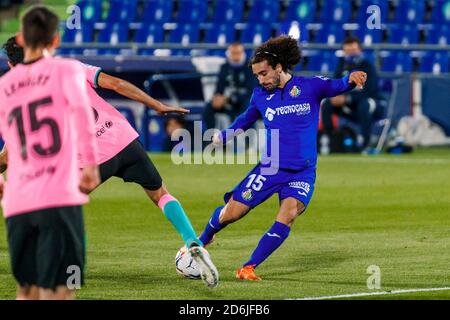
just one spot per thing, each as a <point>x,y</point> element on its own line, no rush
<point>216,139</point>
<point>163,109</point>
<point>359,78</point>
<point>90,179</point>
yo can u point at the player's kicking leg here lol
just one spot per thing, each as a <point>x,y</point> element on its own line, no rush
<point>175,214</point>
<point>290,209</point>
<point>223,216</point>
<point>132,164</point>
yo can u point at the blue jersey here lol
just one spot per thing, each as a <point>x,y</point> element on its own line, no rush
<point>294,111</point>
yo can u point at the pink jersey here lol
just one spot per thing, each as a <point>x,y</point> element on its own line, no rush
<point>45,120</point>
<point>113,131</point>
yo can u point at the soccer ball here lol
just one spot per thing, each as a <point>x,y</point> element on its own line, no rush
<point>186,265</point>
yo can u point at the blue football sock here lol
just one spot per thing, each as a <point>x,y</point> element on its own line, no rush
<point>175,214</point>
<point>269,243</point>
<point>212,227</point>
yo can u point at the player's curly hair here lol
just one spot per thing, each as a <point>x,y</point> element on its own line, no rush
<point>13,51</point>
<point>282,49</point>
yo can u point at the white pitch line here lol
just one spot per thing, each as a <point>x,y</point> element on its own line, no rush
<point>385,160</point>
<point>378,293</point>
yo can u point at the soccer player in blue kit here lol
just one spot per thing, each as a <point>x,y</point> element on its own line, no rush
<point>289,106</point>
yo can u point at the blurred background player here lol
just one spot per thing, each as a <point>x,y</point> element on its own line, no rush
<point>173,124</point>
<point>121,154</point>
<point>45,119</point>
<point>360,106</point>
<point>15,56</point>
<point>234,88</point>
<point>13,51</point>
<point>289,106</point>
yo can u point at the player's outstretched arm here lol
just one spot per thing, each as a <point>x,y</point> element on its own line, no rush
<point>327,88</point>
<point>242,123</point>
<point>132,92</point>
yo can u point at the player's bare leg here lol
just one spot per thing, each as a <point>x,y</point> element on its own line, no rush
<point>233,211</point>
<point>156,195</point>
<point>290,209</point>
<point>60,293</point>
<point>176,215</point>
<point>27,293</point>
<point>221,217</point>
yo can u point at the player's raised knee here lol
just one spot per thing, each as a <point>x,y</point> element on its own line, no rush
<point>290,211</point>
<point>231,213</point>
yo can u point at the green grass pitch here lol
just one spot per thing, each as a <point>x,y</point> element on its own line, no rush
<point>389,211</point>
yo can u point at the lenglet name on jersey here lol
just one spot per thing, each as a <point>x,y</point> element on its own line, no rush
<point>31,81</point>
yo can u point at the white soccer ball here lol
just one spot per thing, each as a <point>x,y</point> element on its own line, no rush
<point>186,265</point>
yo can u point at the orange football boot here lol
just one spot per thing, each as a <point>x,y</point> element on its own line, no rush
<point>247,273</point>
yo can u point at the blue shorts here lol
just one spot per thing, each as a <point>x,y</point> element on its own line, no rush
<point>256,188</point>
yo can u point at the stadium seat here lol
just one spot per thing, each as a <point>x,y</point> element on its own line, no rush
<point>403,34</point>
<point>303,11</point>
<point>295,29</point>
<point>184,34</point>
<point>85,34</point>
<point>330,34</point>
<point>369,36</point>
<point>91,11</point>
<point>264,11</point>
<point>396,61</point>
<point>77,36</point>
<point>122,11</point>
<point>149,34</point>
<point>227,11</point>
<point>113,34</point>
<point>193,11</point>
<point>322,61</point>
<point>255,33</point>
<point>362,15</point>
<point>411,11</point>
<point>157,11</point>
<point>441,12</point>
<point>337,11</point>
<point>220,34</point>
<point>435,62</point>
<point>439,34</point>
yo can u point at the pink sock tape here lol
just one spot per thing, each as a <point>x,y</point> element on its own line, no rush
<point>164,199</point>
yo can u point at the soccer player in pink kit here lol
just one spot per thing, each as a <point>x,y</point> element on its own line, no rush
<point>121,154</point>
<point>45,119</point>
